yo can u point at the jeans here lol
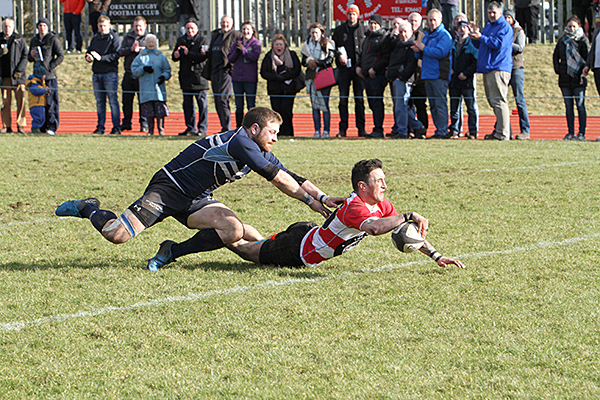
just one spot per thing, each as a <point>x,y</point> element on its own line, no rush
<point>73,28</point>
<point>437,93</point>
<point>456,97</point>
<point>131,87</point>
<point>575,96</point>
<point>517,80</point>
<point>404,116</point>
<point>52,107</point>
<point>189,113</point>
<point>326,114</point>
<point>106,85</point>
<point>375,88</point>
<point>347,76</point>
<point>241,88</point>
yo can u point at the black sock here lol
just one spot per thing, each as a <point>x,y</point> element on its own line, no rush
<point>100,218</point>
<point>204,240</point>
<point>87,210</point>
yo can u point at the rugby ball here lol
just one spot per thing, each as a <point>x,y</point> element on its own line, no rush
<point>406,237</point>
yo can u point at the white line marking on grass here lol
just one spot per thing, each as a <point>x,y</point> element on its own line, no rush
<point>17,326</point>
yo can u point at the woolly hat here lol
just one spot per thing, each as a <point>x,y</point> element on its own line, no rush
<point>511,13</point>
<point>353,8</point>
<point>38,70</point>
<point>43,21</point>
<point>377,18</point>
<point>193,21</point>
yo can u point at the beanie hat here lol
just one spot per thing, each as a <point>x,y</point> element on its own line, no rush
<point>193,21</point>
<point>511,13</point>
<point>377,18</point>
<point>38,70</point>
<point>353,8</point>
<point>43,21</point>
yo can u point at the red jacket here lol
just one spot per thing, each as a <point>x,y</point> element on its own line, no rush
<point>73,6</point>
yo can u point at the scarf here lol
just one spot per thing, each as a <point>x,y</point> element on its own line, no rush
<point>284,59</point>
<point>574,60</point>
<point>313,49</point>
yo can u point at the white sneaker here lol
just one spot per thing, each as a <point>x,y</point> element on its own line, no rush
<point>51,133</point>
<point>317,135</point>
<point>325,135</point>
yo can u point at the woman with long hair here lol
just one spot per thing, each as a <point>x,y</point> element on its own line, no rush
<point>318,53</point>
<point>281,68</point>
<point>570,55</point>
<point>244,54</point>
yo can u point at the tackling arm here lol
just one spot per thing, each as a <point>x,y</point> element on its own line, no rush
<point>288,185</point>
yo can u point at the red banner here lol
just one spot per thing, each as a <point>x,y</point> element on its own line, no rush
<point>388,9</point>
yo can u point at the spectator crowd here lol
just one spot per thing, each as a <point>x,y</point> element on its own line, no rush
<point>437,65</point>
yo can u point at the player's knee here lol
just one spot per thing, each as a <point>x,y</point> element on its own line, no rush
<point>234,233</point>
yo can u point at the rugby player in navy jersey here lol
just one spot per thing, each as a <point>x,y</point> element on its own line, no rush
<point>365,212</point>
<point>183,189</point>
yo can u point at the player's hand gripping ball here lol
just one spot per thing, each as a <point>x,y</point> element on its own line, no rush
<point>406,237</point>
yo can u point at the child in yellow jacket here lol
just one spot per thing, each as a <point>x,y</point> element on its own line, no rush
<point>37,97</point>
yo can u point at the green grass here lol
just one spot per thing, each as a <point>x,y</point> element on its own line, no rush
<point>541,87</point>
<point>521,321</point>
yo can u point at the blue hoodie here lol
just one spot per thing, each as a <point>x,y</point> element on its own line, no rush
<point>495,47</point>
<point>437,54</point>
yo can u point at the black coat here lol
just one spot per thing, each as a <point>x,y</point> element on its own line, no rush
<point>17,51</point>
<point>464,60</point>
<point>340,36</point>
<point>229,39</point>
<point>108,46</point>
<point>193,65</point>
<point>374,52</point>
<point>126,45</point>
<point>402,61</point>
<point>276,81</point>
<point>52,51</point>
<point>560,63</point>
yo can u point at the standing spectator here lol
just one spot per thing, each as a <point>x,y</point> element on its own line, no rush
<point>96,8</point>
<point>400,72</point>
<point>281,69</point>
<point>584,9</point>
<point>495,63</point>
<point>418,94</point>
<point>318,53</point>
<point>45,49</point>
<point>462,84</point>
<point>72,17</point>
<point>37,97</point>
<point>593,61</point>
<point>449,12</point>
<point>191,52</point>
<point>13,65</point>
<point>152,69</point>
<point>436,52</point>
<point>570,55</point>
<point>528,14</point>
<point>349,36</point>
<point>218,69</point>
<point>371,66</point>
<point>517,77</point>
<point>244,56</point>
<point>103,52</point>
<point>133,42</point>
<point>186,10</point>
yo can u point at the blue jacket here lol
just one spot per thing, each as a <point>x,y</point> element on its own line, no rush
<point>437,54</point>
<point>150,90</point>
<point>495,47</point>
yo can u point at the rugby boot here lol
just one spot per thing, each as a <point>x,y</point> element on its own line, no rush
<point>71,208</point>
<point>163,257</point>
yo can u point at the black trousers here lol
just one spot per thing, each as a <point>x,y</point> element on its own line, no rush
<point>201,99</point>
<point>284,105</point>
<point>130,87</point>
<point>347,77</point>
<point>585,11</point>
<point>528,18</point>
<point>375,88</point>
<point>418,100</point>
<point>220,81</point>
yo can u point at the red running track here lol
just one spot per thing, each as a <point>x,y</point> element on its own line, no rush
<point>543,127</point>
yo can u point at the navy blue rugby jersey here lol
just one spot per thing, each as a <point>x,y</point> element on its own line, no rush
<point>216,160</point>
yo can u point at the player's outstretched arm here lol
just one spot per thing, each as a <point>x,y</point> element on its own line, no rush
<point>442,261</point>
<point>380,226</point>
<point>316,193</point>
<point>288,185</point>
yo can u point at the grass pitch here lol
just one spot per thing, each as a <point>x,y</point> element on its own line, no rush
<point>82,318</point>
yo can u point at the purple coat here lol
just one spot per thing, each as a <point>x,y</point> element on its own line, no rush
<point>245,62</point>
